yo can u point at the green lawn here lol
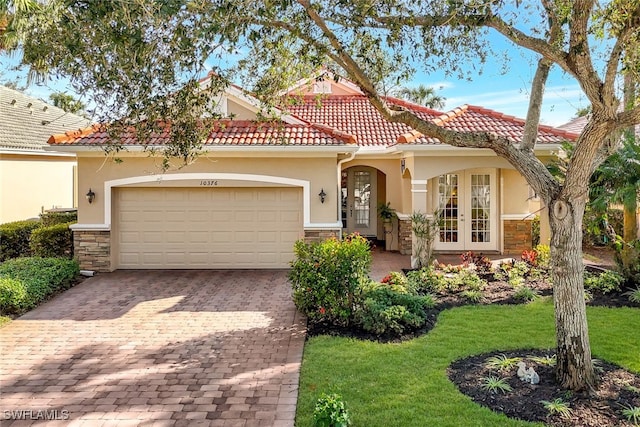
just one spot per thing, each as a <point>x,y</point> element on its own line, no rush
<point>406,384</point>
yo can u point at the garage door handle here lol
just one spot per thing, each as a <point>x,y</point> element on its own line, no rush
<point>351,213</point>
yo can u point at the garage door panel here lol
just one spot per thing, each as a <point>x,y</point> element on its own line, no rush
<point>208,228</point>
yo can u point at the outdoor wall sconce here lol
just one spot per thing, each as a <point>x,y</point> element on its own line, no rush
<point>91,196</point>
<point>322,195</point>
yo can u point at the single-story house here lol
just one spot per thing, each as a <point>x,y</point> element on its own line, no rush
<point>32,179</point>
<point>321,172</point>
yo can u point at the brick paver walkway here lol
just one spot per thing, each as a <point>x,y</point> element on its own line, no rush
<point>165,348</point>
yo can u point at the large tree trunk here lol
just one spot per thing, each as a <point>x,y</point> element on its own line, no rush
<point>574,368</point>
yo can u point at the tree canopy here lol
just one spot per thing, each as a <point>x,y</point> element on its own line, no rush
<point>140,59</point>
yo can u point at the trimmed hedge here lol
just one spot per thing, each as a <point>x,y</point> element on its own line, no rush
<point>52,218</point>
<point>14,239</point>
<point>52,241</point>
<point>26,282</point>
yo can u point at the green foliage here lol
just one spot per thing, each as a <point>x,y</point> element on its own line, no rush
<point>52,241</point>
<point>385,211</point>
<point>66,102</point>
<point>632,413</point>
<point>543,256</point>
<point>398,282</point>
<point>52,218</point>
<point>535,230</point>
<point>495,384</point>
<point>422,95</point>
<point>474,296</point>
<point>502,362</point>
<point>557,406</point>
<point>12,295</point>
<point>331,411</point>
<point>325,277</point>
<point>14,239</point>
<point>634,295</point>
<point>545,360</point>
<point>605,282</point>
<point>524,293</point>
<point>28,281</point>
<point>387,311</point>
<point>424,280</point>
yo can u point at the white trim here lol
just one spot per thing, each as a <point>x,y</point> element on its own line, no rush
<point>519,217</point>
<point>306,197</point>
<point>90,227</point>
<point>222,149</point>
<point>43,152</point>
<point>323,225</point>
<point>419,182</point>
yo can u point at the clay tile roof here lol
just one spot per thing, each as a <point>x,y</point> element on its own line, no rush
<point>355,115</point>
<point>224,133</point>
<point>474,118</point>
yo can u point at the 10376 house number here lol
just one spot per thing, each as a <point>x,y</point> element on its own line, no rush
<point>208,183</point>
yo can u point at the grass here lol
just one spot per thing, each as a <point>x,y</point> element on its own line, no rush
<point>406,384</point>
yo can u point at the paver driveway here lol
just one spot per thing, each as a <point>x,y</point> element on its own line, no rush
<point>162,348</point>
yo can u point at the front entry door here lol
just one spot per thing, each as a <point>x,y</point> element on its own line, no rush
<point>359,200</point>
<point>467,200</point>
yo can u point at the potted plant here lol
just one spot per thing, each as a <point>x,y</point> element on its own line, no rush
<point>386,212</point>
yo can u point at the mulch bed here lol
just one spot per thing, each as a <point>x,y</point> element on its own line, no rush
<point>616,389</point>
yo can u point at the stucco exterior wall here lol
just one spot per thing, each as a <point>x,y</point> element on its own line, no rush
<point>239,112</point>
<point>31,183</point>
<point>321,173</point>
<point>515,192</point>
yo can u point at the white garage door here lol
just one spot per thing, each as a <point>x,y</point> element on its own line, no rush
<point>207,227</point>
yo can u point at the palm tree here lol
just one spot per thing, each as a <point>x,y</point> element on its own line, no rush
<point>423,95</point>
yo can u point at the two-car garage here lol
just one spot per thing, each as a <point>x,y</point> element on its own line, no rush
<point>210,227</point>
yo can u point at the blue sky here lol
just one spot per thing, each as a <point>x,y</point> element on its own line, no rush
<point>507,92</point>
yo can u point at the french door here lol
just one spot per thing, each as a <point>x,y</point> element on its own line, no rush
<point>359,196</point>
<point>469,218</point>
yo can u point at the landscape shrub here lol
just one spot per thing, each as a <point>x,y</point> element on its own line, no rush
<point>12,295</point>
<point>543,256</point>
<point>325,277</point>
<point>398,282</point>
<point>40,277</point>
<point>14,239</point>
<point>52,218</point>
<point>386,311</point>
<point>482,263</point>
<point>331,411</point>
<point>52,241</point>
<point>424,280</point>
<point>605,282</point>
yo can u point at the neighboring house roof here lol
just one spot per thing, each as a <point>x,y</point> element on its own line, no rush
<point>575,125</point>
<point>225,133</point>
<point>26,122</point>
<point>578,124</point>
